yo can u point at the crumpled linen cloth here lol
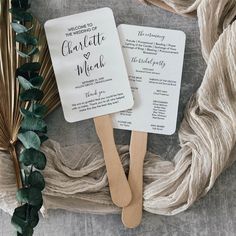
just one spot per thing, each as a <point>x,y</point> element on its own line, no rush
<point>76,176</point>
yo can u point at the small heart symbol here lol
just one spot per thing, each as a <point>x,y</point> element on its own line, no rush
<point>87,55</point>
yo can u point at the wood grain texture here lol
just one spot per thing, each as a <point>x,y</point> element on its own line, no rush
<point>118,183</point>
<point>132,214</point>
<point>214,215</point>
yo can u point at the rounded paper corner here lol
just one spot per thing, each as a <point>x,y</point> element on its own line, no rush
<point>183,33</point>
<point>108,9</point>
<point>120,26</point>
<point>171,132</point>
<point>68,119</point>
<point>131,103</point>
<point>47,24</point>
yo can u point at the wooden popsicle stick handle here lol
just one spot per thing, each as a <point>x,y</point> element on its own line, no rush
<point>118,183</point>
<point>132,214</point>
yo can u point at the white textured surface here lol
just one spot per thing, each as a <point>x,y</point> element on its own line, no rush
<point>213,215</point>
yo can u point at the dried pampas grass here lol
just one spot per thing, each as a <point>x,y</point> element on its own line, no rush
<point>10,117</point>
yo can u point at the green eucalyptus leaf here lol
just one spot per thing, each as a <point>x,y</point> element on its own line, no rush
<point>26,156</point>
<point>39,206</point>
<point>35,196</point>
<point>39,110</point>
<point>28,231</point>
<point>30,140</point>
<point>32,196</point>
<point>18,28</point>
<point>36,81</point>
<point>43,138</point>
<point>40,162</point>
<point>34,124</point>
<point>22,195</point>
<point>36,180</point>
<point>33,157</point>
<point>22,130</point>
<point>25,84</point>
<point>20,4</point>
<point>26,112</point>
<point>21,15</point>
<point>30,67</point>
<point>33,51</point>
<point>36,110</point>
<point>31,94</point>
<point>20,216</point>
<point>27,74</point>
<point>26,39</point>
<point>19,224</point>
<point>26,217</point>
<point>34,217</point>
<point>21,211</point>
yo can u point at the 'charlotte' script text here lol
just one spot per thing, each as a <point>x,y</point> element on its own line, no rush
<point>69,47</point>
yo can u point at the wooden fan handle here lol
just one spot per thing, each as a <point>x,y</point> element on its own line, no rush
<point>132,214</point>
<point>118,183</point>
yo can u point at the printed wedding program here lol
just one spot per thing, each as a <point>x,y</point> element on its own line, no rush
<point>154,60</point>
<point>88,64</point>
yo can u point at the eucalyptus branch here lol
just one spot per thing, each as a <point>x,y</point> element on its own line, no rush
<point>33,128</point>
